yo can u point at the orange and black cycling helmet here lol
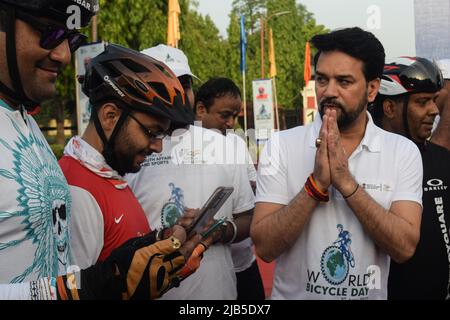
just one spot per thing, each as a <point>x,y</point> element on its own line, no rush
<point>140,82</point>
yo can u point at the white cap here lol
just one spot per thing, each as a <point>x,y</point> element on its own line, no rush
<point>174,58</point>
<point>444,65</point>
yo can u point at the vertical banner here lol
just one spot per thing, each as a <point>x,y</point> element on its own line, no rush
<point>82,58</point>
<point>173,24</point>
<point>432,26</point>
<point>310,107</point>
<point>263,108</point>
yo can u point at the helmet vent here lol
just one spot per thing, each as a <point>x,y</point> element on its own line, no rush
<point>163,70</point>
<point>134,93</point>
<point>133,66</point>
<point>161,90</point>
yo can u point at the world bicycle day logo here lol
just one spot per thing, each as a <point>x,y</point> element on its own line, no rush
<point>336,262</point>
<point>338,258</point>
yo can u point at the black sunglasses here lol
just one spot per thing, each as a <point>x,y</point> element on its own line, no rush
<point>152,135</point>
<point>52,35</point>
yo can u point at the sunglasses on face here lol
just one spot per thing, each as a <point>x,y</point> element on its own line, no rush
<point>52,35</point>
<point>152,135</point>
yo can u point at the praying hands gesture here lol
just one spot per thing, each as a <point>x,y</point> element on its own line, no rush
<point>331,162</point>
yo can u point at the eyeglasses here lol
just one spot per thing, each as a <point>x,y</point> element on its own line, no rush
<point>152,135</point>
<point>52,35</point>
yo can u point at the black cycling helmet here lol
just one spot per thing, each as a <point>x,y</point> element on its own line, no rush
<point>410,75</point>
<point>405,76</point>
<point>57,9</point>
<point>135,82</point>
<point>53,9</point>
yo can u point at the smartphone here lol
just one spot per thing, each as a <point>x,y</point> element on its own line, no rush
<point>213,228</point>
<point>211,207</point>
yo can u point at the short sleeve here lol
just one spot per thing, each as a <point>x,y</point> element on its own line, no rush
<point>271,182</point>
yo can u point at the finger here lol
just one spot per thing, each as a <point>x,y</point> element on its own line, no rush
<point>189,246</point>
<point>189,212</point>
<point>332,125</point>
<point>323,134</point>
<point>179,233</point>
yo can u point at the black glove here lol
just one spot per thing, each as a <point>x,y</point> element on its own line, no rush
<point>139,269</point>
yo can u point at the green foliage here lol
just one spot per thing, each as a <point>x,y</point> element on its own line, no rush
<point>58,150</point>
<point>140,24</point>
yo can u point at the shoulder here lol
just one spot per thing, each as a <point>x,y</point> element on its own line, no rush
<point>436,149</point>
<point>78,175</point>
<point>397,143</point>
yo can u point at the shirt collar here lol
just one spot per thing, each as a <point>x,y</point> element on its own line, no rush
<point>3,104</point>
<point>371,139</point>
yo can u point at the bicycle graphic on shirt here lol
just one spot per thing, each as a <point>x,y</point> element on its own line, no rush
<point>174,207</point>
<point>344,243</point>
<point>338,258</point>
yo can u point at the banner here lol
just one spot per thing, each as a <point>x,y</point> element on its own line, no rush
<point>432,28</point>
<point>263,108</point>
<point>243,45</point>
<point>173,24</point>
<point>310,107</point>
<point>82,58</point>
<point>307,65</point>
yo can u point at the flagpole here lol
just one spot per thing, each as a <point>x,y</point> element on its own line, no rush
<point>245,103</point>
<point>277,119</point>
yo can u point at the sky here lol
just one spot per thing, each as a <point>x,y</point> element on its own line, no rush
<point>391,21</point>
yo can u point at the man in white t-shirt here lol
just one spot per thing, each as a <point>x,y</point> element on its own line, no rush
<point>217,105</point>
<point>194,162</point>
<point>333,236</point>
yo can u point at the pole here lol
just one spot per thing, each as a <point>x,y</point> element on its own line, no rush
<point>94,29</point>
<point>262,46</point>
<point>277,118</point>
<point>245,102</point>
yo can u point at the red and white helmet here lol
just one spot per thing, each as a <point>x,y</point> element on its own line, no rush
<point>410,75</point>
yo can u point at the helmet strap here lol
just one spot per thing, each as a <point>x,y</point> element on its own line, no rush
<point>11,57</point>
<point>405,117</point>
<point>108,144</point>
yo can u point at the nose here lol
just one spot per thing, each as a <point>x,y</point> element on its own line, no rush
<point>62,53</point>
<point>331,89</point>
<point>230,122</point>
<point>433,110</point>
<point>156,145</point>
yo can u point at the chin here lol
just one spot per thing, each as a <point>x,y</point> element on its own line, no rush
<point>44,95</point>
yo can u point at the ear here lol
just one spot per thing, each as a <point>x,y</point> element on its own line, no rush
<point>389,108</point>
<point>200,110</point>
<point>372,89</point>
<point>109,114</point>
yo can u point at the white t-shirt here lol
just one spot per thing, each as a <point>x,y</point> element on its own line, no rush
<point>192,165</point>
<point>327,262</point>
<point>242,252</point>
<point>35,203</point>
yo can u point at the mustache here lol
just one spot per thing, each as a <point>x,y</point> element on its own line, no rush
<point>50,65</point>
<point>331,101</point>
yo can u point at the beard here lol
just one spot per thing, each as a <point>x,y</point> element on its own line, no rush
<point>346,117</point>
<point>124,152</point>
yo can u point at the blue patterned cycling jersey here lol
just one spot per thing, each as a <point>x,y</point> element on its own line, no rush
<point>34,203</point>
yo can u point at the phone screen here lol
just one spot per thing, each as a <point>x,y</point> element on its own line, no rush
<point>211,207</point>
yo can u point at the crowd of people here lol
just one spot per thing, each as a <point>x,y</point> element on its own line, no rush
<point>351,206</point>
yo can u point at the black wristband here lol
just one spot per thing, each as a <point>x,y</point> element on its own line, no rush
<point>356,189</point>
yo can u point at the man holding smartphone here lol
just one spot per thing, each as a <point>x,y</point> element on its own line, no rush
<point>194,162</point>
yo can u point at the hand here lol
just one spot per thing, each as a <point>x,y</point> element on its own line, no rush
<point>341,177</point>
<point>147,269</point>
<point>188,217</point>
<point>321,173</point>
